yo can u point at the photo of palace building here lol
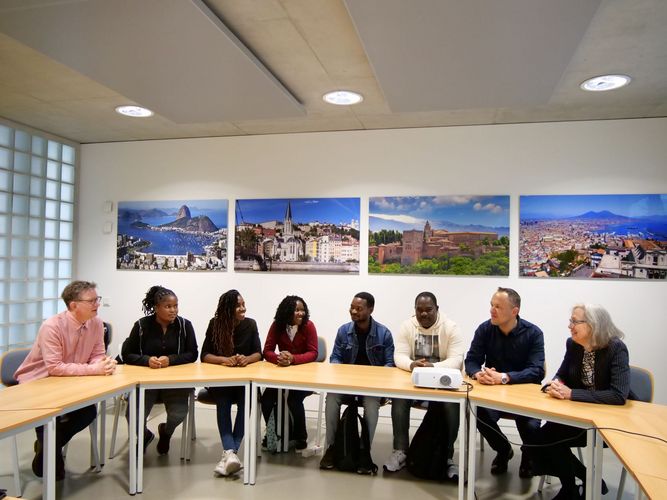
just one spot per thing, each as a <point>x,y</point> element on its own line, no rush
<point>459,235</point>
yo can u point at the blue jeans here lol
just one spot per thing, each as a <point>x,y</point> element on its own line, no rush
<point>224,398</point>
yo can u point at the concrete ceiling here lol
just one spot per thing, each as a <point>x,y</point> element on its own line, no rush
<point>243,67</point>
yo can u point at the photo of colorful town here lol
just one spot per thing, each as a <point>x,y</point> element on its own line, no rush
<point>448,235</point>
<point>594,236</point>
<point>297,235</point>
<point>172,235</point>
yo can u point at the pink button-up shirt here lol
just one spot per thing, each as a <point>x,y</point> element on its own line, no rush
<point>64,348</point>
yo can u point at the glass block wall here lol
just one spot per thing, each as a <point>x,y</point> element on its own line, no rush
<point>37,191</point>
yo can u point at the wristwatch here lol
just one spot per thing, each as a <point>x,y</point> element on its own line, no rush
<point>504,378</point>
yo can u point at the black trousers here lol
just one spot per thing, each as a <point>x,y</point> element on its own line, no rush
<point>558,459</point>
<point>527,427</point>
<point>295,405</point>
<point>68,425</point>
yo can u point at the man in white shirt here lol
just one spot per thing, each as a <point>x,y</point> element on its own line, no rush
<point>428,338</point>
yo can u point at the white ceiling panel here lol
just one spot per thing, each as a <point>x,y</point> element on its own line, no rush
<point>452,54</point>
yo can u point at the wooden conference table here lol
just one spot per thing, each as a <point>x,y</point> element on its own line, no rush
<point>59,395</point>
<point>346,379</point>
<point>645,458</point>
<point>37,403</point>
<point>185,376</point>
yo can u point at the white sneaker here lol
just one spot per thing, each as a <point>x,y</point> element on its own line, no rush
<point>452,470</point>
<point>232,463</point>
<point>396,461</point>
<point>222,465</point>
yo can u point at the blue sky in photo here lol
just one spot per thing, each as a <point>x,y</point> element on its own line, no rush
<point>216,210</point>
<point>491,211</point>
<point>628,205</point>
<point>304,210</point>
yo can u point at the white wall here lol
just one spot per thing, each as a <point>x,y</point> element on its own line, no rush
<point>626,156</point>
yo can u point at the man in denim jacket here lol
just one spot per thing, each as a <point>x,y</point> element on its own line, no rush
<point>377,350</point>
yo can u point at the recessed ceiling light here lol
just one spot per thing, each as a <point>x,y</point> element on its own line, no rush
<point>134,111</point>
<point>343,97</point>
<point>605,82</point>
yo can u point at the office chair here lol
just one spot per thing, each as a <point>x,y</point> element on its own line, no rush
<point>641,385</point>
<point>9,363</point>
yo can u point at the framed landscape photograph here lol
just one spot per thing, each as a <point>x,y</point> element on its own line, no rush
<point>593,236</point>
<point>172,235</point>
<point>445,235</point>
<point>297,235</point>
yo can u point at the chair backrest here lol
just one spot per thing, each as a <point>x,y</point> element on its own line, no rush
<point>108,335</point>
<point>641,384</point>
<point>9,363</point>
<point>321,349</point>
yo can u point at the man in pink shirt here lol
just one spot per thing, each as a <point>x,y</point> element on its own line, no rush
<point>69,344</point>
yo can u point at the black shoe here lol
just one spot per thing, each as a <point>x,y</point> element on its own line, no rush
<point>60,465</point>
<point>300,444</point>
<point>603,489</point>
<point>526,467</point>
<point>38,461</point>
<point>499,464</point>
<point>327,461</point>
<point>163,442</point>
<point>148,439</point>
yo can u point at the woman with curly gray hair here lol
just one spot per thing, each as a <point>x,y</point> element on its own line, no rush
<point>595,370</point>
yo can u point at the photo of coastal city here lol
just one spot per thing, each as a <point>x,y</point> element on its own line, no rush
<point>593,236</point>
<point>297,235</point>
<point>172,235</point>
<point>443,235</point>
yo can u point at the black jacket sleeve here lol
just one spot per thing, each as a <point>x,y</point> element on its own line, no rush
<point>189,349</point>
<point>131,348</point>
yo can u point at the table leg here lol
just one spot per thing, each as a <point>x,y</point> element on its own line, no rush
<point>248,457</point>
<point>597,466</point>
<point>472,438</point>
<point>590,463</point>
<point>462,448</point>
<point>49,463</point>
<point>132,439</point>
<point>252,430</point>
<point>140,440</point>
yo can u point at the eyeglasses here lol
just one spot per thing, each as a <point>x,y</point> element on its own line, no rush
<point>92,302</point>
<point>577,321</point>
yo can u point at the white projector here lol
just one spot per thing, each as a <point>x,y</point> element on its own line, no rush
<point>435,377</point>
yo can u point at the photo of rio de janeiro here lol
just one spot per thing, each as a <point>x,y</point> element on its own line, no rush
<point>172,235</point>
<point>447,235</point>
<point>297,235</point>
<point>593,236</point>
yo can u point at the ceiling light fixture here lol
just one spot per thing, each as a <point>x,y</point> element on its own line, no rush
<point>605,82</point>
<point>343,97</point>
<point>134,111</point>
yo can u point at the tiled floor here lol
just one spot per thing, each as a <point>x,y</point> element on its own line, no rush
<point>279,477</point>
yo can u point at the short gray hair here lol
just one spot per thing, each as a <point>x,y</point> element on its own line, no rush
<point>603,329</point>
<point>74,290</point>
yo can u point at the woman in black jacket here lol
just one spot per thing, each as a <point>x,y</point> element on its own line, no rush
<point>595,370</point>
<point>162,338</point>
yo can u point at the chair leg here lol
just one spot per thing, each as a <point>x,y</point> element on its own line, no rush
<point>320,412</point>
<point>17,472</point>
<point>102,414</point>
<point>191,417</point>
<point>94,453</point>
<point>116,414</point>
<point>621,484</point>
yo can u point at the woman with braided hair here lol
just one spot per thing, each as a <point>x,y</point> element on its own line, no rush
<point>162,338</point>
<point>231,340</point>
